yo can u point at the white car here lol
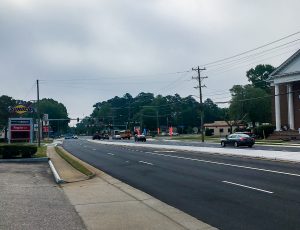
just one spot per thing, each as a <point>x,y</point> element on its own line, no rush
<point>116,137</point>
<point>173,134</point>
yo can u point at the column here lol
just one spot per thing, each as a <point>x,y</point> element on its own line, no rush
<point>277,108</point>
<point>290,106</point>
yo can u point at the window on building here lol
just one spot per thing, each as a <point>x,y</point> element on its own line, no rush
<point>221,130</point>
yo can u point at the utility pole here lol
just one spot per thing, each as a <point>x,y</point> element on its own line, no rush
<point>38,113</point>
<point>200,86</point>
<point>157,122</point>
<point>129,116</point>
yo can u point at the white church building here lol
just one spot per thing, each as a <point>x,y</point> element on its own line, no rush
<point>286,104</point>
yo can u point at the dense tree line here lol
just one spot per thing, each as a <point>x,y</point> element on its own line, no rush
<point>250,103</point>
<point>150,112</point>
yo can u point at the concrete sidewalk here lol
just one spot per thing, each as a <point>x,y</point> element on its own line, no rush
<point>266,154</point>
<point>104,202</point>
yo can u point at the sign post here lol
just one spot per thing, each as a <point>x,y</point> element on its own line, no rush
<point>20,129</point>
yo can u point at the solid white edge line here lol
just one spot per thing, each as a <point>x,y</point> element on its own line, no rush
<point>144,162</point>
<point>245,186</point>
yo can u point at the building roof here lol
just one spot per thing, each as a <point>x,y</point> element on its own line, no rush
<point>286,68</point>
<point>219,124</point>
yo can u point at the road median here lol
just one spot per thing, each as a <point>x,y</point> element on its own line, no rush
<point>67,166</point>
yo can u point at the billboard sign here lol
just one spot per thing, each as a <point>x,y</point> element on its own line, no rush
<point>21,108</point>
<point>20,129</point>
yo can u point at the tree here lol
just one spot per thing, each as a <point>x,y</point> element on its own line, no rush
<point>211,111</point>
<point>5,102</point>
<point>250,104</point>
<point>146,110</point>
<point>259,75</point>
<point>55,110</point>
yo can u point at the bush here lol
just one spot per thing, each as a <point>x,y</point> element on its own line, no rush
<point>209,132</point>
<point>14,150</point>
<point>267,129</point>
<point>3,140</point>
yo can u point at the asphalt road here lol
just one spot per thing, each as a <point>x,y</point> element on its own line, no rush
<point>224,191</point>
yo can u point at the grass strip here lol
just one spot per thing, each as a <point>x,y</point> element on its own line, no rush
<point>41,152</point>
<point>74,163</point>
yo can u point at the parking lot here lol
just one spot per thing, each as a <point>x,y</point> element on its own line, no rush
<point>30,199</point>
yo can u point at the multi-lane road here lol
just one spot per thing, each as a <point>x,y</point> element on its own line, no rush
<point>224,191</point>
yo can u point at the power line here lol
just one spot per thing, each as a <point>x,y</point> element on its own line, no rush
<point>237,63</point>
<point>115,77</point>
<point>261,53</point>
<point>251,50</point>
<point>250,64</point>
<point>257,98</point>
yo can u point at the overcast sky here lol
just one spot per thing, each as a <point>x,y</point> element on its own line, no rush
<point>91,50</point>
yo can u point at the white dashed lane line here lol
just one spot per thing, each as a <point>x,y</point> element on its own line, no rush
<point>225,164</point>
<point>145,162</point>
<point>245,186</point>
<point>165,151</point>
<point>110,154</point>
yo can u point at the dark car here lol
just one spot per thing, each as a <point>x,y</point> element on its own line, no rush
<point>68,137</point>
<point>247,133</point>
<point>237,140</point>
<point>139,138</point>
<point>98,136</point>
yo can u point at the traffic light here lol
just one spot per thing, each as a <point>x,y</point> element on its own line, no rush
<point>77,119</point>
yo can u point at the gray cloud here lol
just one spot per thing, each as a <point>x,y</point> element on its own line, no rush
<point>131,45</point>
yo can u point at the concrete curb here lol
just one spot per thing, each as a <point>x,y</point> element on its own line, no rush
<point>25,160</point>
<point>55,174</point>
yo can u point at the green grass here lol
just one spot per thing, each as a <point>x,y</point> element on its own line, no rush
<point>195,138</point>
<point>75,164</point>
<point>192,138</point>
<point>47,141</point>
<point>41,152</point>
